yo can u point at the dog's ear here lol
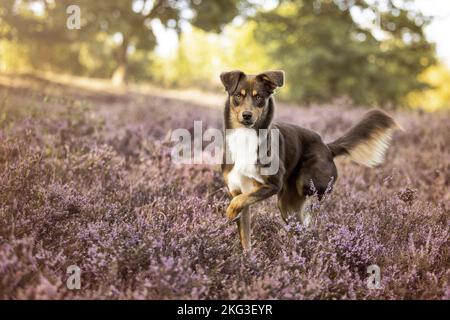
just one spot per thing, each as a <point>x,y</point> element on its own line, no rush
<point>231,79</point>
<point>273,78</point>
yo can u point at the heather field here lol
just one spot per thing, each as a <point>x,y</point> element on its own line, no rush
<point>86,179</point>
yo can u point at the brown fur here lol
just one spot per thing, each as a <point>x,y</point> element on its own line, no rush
<point>305,160</point>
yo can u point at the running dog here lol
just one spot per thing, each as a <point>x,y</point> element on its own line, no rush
<point>304,160</point>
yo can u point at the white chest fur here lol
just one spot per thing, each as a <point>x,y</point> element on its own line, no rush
<point>242,146</point>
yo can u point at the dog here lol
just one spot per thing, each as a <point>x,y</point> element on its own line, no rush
<point>303,158</point>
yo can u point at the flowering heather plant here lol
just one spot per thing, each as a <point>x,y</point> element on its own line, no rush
<point>93,185</point>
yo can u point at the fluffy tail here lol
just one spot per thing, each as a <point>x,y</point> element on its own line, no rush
<point>366,142</point>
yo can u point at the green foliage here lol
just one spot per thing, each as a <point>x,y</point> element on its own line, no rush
<point>114,35</point>
<point>327,50</point>
<point>201,56</point>
<point>14,56</point>
<point>437,97</point>
<point>327,54</point>
<point>214,15</point>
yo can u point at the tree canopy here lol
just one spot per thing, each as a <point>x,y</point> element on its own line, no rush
<point>372,52</point>
<point>329,54</point>
<point>129,22</point>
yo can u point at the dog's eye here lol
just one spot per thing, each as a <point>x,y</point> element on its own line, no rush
<point>237,98</point>
<point>258,98</point>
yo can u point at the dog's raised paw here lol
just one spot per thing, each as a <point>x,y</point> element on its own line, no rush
<point>233,210</point>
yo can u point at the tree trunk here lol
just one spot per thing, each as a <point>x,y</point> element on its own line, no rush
<point>120,74</point>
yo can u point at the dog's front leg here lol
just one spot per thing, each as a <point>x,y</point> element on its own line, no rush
<point>245,199</point>
<point>245,228</point>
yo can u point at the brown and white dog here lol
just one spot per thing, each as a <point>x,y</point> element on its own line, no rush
<point>303,158</point>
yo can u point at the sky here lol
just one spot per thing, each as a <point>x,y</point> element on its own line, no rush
<point>438,31</point>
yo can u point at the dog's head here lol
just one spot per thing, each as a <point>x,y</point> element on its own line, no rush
<point>249,95</point>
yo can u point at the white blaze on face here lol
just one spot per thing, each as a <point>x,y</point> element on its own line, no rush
<point>242,145</point>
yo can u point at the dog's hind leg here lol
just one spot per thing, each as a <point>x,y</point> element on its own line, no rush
<point>244,228</point>
<point>290,204</point>
<point>306,212</point>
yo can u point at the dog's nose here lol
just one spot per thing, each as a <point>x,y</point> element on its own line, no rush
<point>247,115</point>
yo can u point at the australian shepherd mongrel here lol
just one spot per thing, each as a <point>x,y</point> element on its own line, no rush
<point>304,163</point>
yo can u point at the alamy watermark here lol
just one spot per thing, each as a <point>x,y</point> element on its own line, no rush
<point>74,280</point>
<point>374,279</point>
<point>73,21</point>
<point>190,147</point>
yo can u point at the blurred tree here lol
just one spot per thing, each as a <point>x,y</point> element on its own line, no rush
<point>327,47</point>
<point>201,56</point>
<point>127,22</point>
<point>329,53</point>
<point>437,97</point>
